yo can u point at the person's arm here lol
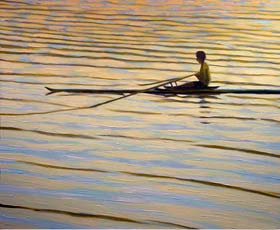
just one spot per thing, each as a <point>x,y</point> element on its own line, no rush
<point>198,74</point>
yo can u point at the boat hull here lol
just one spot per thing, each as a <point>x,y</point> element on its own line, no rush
<point>212,90</point>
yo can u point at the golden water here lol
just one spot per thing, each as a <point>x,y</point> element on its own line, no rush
<point>145,161</point>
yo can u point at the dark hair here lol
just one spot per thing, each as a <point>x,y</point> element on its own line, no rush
<point>201,55</point>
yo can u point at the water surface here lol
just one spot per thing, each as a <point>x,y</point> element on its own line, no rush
<point>146,161</point>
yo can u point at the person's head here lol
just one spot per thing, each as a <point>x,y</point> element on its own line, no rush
<point>200,56</point>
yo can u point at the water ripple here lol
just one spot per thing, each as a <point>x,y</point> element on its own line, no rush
<point>147,175</point>
<point>251,151</point>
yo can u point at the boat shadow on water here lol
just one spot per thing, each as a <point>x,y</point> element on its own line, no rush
<point>203,101</point>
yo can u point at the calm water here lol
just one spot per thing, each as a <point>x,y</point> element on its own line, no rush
<point>146,161</point>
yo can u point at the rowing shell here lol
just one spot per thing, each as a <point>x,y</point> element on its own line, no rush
<point>208,90</point>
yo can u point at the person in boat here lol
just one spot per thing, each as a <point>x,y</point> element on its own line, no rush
<point>203,75</point>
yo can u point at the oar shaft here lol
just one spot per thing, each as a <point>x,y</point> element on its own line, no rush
<point>146,84</point>
<point>163,84</point>
<point>167,80</point>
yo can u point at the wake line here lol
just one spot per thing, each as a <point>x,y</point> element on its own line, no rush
<point>101,29</point>
<point>146,175</point>
<point>133,36</point>
<point>55,54</point>
<point>93,137</point>
<point>265,193</point>
<point>91,48</point>
<point>63,167</point>
<point>77,34</point>
<point>225,117</point>
<point>94,66</point>
<point>189,16</point>
<point>149,80</point>
<point>225,34</point>
<point>106,34</point>
<point>172,224</point>
<point>171,22</point>
<point>246,83</point>
<point>57,83</point>
<point>76,214</point>
<point>127,68</point>
<point>111,46</point>
<point>10,1</point>
<point>227,30</point>
<point>76,23</point>
<point>65,110</point>
<point>34,101</point>
<point>75,12</point>
<point>94,37</point>
<point>251,151</point>
<point>156,113</point>
<point>44,112</point>
<point>248,9</point>
<point>217,117</point>
<point>54,75</point>
<point>239,150</point>
<point>50,133</point>
<point>157,35</point>
<point>97,58</point>
<point>98,216</point>
<point>220,26</point>
<point>115,99</point>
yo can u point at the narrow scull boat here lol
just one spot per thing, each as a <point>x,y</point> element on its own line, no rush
<point>208,90</point>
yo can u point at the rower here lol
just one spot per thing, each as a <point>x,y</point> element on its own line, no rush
<point>203,75</point>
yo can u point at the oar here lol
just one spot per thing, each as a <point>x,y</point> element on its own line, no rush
<point>141,91</point>
<point>167,80</point>
<point>119,98</point>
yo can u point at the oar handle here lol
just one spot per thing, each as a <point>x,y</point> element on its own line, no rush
<point>167,80</point>
<point>157,82</point>
<point>165,83</point>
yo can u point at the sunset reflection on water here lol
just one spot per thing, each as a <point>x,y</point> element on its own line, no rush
<point>146,161</point>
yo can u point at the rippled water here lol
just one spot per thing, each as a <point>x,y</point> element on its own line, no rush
<point>146,161</point>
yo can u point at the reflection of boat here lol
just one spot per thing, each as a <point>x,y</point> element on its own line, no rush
<point>208,90</point>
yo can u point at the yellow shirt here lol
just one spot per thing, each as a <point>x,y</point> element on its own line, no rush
<point>204,74</point>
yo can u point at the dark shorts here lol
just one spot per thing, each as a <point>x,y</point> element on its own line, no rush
<point>199,84</point>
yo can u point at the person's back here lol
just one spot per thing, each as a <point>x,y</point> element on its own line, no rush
<point>204,75</point>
